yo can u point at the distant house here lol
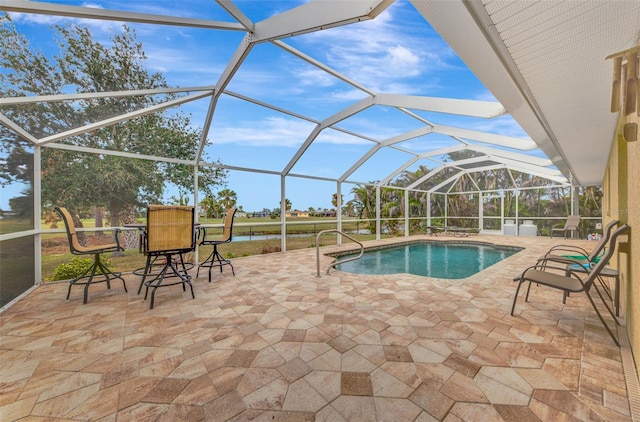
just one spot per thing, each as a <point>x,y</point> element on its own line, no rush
<point>7,214</point>
<point>326,213</point>
<point>261,214</point>
<point>297,213</point>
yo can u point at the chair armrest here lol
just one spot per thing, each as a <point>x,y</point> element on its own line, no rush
<point>201,234</point>
<point>537,267</point>
<point>117,238</point>
<point>569,253</point>
<point>559,260</point>
<point>570,248</point>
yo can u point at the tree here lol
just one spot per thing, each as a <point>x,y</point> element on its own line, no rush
<point>87,180</point>
<point>334,200</point>
<point>287,204</point>
<point>181,200</point>
<point>208,205</point>
<point>227,198</point>
<point>364,203</point>
<point>349,208</point>
<point>17,168</point>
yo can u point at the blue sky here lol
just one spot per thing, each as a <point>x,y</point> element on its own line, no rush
<point>398,52</point>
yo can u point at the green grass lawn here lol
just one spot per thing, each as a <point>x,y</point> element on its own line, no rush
<point>55,249</point>
<point>132,258</point>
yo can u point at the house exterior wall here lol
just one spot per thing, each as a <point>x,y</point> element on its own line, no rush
<point>621,188</point>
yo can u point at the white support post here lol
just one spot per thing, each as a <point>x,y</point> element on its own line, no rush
<point>446,209</point>
<point>377,212</point>
<point>480,210</point>
<point>339,211</point>
<point>428,208</point>
<point>502,212</point>
<point>37,207</point>
<point>406,213</point>
<point>516,193</point>
<point>196,204</point>
<point>283,214</point>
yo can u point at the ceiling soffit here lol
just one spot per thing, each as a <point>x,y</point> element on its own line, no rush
<point>545,62</point>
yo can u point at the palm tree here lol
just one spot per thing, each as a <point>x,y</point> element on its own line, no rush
<point>391,206</point>
<point>227,198</point>
<point>364,203</point>
<point>208,205</point>
<point>287,204</point>
<point>350,208</point>
<point>334,200</point>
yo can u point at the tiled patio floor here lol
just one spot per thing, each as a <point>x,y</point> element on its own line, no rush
<point>277,343</point>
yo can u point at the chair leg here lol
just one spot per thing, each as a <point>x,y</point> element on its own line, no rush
<point>153,290</point>
<point>595,308</point>
<point>186,279</point>
<point>605,287</point>
<point>94,267</point>
<point>115,275</point>
<point>515,296</point>
<point>208,262</point>
<point>215,259</point>
<point>526,298</point>
<point>169,265</point>
<point>91,269</point>
<point>148,273</point>
<point>221,261</point>
<point>147,270</point>
<point>180,262</point>
<point>90,273</point>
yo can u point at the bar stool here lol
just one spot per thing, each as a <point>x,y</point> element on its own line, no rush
<point>215,259</point>
<point>169,234</point>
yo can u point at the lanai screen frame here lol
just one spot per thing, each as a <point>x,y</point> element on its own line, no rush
<point>296,21</point>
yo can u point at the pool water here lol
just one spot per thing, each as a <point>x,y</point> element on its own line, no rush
<point>431,259</point>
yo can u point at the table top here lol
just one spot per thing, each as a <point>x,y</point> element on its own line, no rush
<point>144,226</point>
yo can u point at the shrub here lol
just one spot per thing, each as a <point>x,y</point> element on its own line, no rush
<point>271,249</point>
<point>76,267</point>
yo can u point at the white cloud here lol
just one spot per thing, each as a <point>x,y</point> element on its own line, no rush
<point>383,52</point>
<point>272,131</point>
<point>277,131</point>
<point>49,20</point>
<point>503,125</point>
<point>339,138</point>
<point>314,77</point>
<point>400,56</point>
<point>352,95</point>
<point>189,68</point>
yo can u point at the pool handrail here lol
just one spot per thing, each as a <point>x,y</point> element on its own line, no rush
<point>335,261</point>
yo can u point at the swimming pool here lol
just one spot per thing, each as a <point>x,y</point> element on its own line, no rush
<point>431,259</point>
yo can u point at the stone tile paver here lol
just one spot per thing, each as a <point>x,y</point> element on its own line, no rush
<point>275,342</point>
